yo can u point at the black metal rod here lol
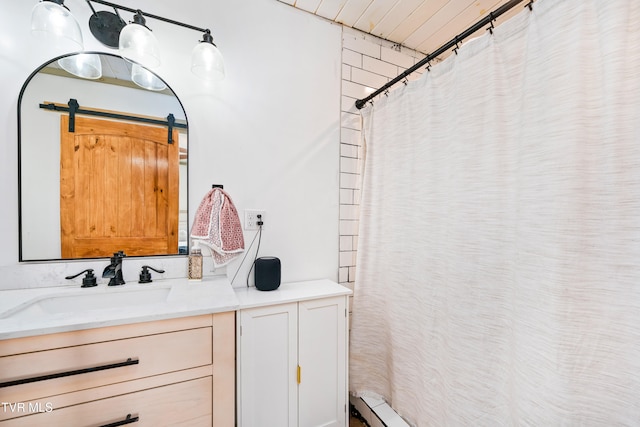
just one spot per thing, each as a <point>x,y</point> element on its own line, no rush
<point>113,116</point>
<point>93,11</point>
<point>149,15</point>
<point>360,103</point>
<point>129,362</point>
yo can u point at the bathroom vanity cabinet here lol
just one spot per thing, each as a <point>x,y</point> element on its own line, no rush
<point>292,356</point>
<point>176,372</point>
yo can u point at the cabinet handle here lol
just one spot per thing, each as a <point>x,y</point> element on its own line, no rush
<point>128,420</point>
<point>128,362</point>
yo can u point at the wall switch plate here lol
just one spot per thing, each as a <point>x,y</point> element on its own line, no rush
<point>251,219</point>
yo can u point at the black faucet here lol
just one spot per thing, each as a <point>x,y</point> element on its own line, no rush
<point>114,270</point>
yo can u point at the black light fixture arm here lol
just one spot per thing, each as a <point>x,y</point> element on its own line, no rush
<point>92,9</point>
<point>360,103</point>
<point>148,15</point>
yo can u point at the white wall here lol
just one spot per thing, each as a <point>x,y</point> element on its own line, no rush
<point>269,132</point>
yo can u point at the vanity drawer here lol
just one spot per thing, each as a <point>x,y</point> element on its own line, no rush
<point>68,369</point>
<point>182,404</point>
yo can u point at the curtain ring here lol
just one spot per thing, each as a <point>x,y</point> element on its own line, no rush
<point>530,5</point>
<point>428,58</point>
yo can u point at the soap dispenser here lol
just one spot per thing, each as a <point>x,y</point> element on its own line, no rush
<point>195,262</point>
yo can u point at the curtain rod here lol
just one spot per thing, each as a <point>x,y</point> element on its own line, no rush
<point>492,16</point>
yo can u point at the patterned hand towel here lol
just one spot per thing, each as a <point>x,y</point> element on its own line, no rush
<point>218,228</point>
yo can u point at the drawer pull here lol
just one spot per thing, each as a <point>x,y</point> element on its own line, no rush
<point>128,420</point>
<point>128,362</point>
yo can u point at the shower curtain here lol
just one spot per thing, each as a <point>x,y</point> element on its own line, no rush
<point>498,278</point>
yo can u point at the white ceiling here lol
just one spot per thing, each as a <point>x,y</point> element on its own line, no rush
<point>423,25</point>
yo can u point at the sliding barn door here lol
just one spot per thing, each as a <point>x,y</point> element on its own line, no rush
<point>118,189</point>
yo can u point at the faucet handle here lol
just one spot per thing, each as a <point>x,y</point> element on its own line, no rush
<point>119,254</point>
<point>88,281</point>
<point>145,275</point>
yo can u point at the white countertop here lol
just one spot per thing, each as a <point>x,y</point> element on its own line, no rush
<point>23,315</point>
<point>185,298</point>
<point>289,292</point>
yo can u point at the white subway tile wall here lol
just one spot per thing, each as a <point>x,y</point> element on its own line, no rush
<point>368,62</point>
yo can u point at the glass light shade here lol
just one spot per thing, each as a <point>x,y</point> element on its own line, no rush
<point>146,79</point>
<point>138,44</point>
<point>207,62</point>
<point>85,65</point>
<point>55,25</point>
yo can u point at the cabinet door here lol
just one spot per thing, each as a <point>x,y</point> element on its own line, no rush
<point>322,347</point>
<point>268,366</point>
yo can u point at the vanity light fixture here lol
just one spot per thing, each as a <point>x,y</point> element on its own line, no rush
<point>51,19</point>
<point>137,42</point>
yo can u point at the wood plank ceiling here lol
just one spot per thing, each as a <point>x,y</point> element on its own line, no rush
<point>423,25</point>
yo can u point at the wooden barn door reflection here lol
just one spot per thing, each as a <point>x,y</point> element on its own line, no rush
<point>118,189</point>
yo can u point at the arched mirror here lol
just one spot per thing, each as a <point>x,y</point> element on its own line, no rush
<point>102,163</point>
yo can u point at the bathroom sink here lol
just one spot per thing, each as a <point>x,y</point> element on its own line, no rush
<point>88,300</point>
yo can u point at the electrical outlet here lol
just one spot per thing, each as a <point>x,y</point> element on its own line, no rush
<point>251,219</point>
